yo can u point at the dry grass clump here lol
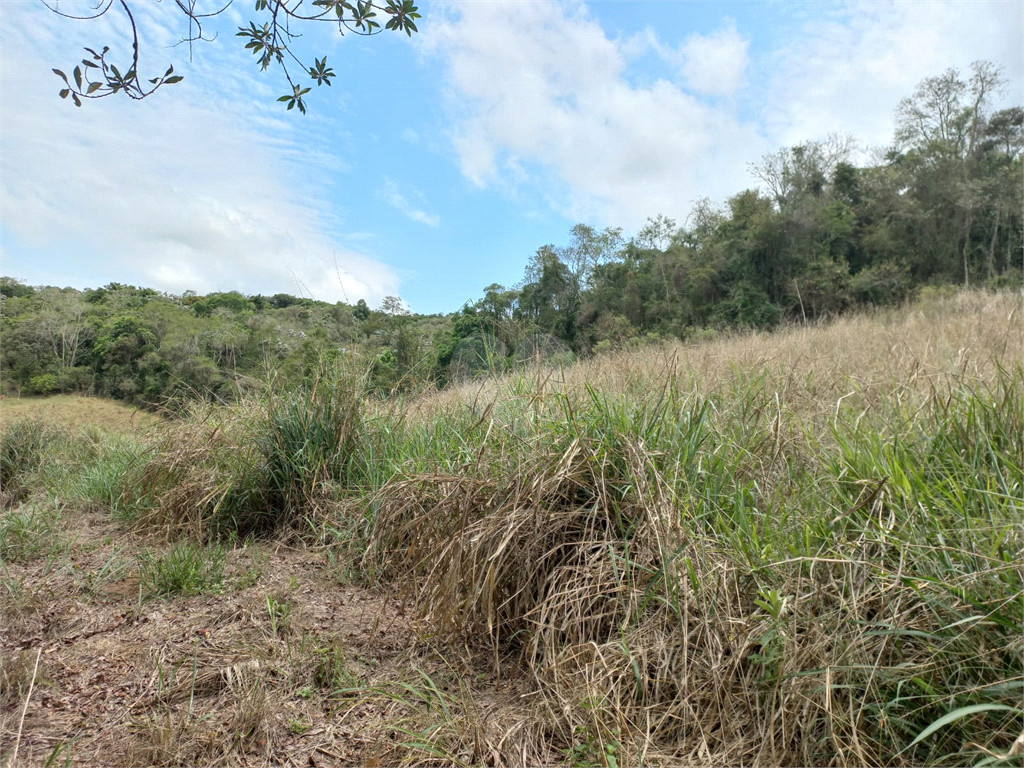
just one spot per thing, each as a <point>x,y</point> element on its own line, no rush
<point>784,577</point>
<point>175,734</point>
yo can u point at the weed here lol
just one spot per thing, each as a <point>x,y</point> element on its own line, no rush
<point>308,438</point>
<point>185,569</point>
<point>279,612</point>
<point>32,531</point>
<point>253,572</point>
<point>22,449</point>
<point>330,670</point>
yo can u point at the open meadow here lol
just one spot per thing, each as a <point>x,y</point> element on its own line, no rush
<point>793,548</point>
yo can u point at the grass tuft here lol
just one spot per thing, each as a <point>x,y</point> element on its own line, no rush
<point>184,570</point>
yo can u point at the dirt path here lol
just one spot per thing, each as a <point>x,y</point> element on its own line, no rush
<point>281,664</point>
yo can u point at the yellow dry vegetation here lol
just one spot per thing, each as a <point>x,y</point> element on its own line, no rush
<point>866,358</point>
<point>74,411</point>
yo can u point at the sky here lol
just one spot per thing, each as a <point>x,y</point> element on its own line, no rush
<point>437,164</point>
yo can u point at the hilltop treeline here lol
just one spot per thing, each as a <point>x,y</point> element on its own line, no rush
<point>941,206</point>
<point>139,345</point>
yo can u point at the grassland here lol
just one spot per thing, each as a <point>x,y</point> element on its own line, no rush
<point>74,411</point>
<point>799,548</point>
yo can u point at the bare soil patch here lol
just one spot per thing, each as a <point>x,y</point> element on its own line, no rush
<point>281,665</point>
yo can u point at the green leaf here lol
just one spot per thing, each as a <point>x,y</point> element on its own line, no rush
<point>93,87</point>
<point>284,98</point>
<point>64,93</point>
<point>61,75</point>
<point>78,76</point>
<point>74,98</point>
<point>957,714</point>
<point>175,79</point>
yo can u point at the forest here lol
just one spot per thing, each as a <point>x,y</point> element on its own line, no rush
<point>828,227</point>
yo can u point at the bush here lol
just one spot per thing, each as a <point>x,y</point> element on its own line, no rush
<point>46,384</point>
<point>885,283</point>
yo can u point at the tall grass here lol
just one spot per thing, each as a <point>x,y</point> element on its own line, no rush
<point>258,468</point>
<point>800,548</point>
<point>22,448</point>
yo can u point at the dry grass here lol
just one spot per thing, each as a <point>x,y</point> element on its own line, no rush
<point>800,548</point>
<point>867,359</point>
<point>714,555</point>
<point>74,411</point>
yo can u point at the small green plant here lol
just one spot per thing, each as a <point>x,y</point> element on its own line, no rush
<point>299,726</point>
<point>773,639</point>
<point>253,572</point>
<point>279,612</point>
<point>331,670</point>
<point>305,693</point>
<point>186,569</point>
<point>589,750</point>
<point>114,569</point>
<point>30,532</point>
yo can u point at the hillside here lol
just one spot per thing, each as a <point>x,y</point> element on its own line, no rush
<point>799,547</point>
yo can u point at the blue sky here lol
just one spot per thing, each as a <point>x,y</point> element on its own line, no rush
<point>437,165</point>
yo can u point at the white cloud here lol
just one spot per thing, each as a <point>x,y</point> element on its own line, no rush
<point>399,202</point>
<point>187,190</point>
<point>715,64</point>
<point>547,90</point>
<point>847,71</point>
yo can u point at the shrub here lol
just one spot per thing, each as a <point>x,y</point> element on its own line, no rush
<point>45,384</point>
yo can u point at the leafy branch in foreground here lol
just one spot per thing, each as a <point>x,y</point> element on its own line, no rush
<point>270,41</point>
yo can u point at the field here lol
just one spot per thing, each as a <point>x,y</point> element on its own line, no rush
<point>799,548</point>
<point>74,411</point>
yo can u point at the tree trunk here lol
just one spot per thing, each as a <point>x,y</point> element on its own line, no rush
<point>992,247</point>
<point>967,246</point>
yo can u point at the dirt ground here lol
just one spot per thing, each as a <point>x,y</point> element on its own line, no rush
<point>284,663</point>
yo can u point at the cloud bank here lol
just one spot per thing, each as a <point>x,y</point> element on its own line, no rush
<point>189,190</point>
<point>539,93</point>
